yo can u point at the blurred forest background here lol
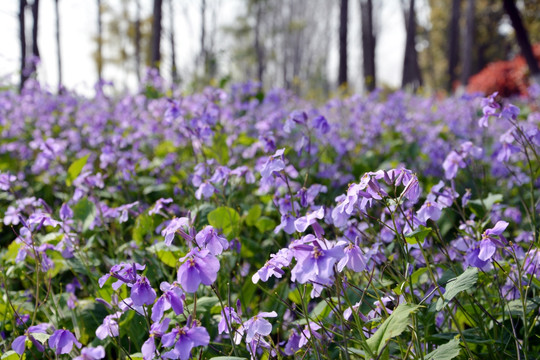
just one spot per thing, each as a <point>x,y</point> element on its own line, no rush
<point>313,47</point>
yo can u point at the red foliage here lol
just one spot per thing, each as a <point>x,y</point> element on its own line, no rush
<point>507,77</point>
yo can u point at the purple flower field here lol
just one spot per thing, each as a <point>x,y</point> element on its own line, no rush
<point>237,224</point>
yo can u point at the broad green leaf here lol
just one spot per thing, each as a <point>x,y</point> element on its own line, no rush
<point>418,235</point>
<point>393,326</point>
<point>41,337</point>
<point>12,355</point>
<point>136,356</point>
<point>265,224</point>
<point>416,275</point>
<point>454,286</point>
<point>321,310</point>
<point>85,212</point>
<point>13,250</point>
<point>225,218</point>
<point>295,296</point>
<point>144,224</point>
<point>447,351</point>
<point>75,169</point>
<point>477,206</point>
<point>253,215</point>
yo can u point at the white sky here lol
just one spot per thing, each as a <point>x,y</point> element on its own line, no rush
<point>79,25</point>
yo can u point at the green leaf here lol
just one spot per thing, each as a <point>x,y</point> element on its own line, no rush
<point>144,224</point>
<point>41,337</point>
<point>136,356</point>
<point>85,212</point>
<point>393,326</point>
<point>454,286</point>
<point>253,215</point>
<point>447,351</point>
<point>418,235</point>
<point>477,206</point>
<point>12,355</point>
<point>13,250</point>
<point>225,218</point>
<point>265,224</point>
<point>75,169</point>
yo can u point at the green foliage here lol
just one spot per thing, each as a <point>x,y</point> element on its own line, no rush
<point>84,212</point>
<point>456,285</point>
<point>447,351</point>
<point>226,219</point>
<point>75,169</point>
<point>393,326</point>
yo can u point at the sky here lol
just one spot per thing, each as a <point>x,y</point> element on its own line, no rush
<point>79,25</point>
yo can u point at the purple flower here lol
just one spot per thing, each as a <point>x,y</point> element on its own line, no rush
<point>6,180</point>
<point>201,267</point>
<point>274,163</point>
<point>62,342</point>
<point>229,317</point>
<point>491,240</point>
<point>109,327</point>
<point>175,225</point>
<point>353,257</point>
<point>149,347</point>
<point>125,273</point>
<point>302,223</point>
<point>452,163</point>
<point>206,190</point>
<point>184,339</point>
<point>258,325</point>
<point>430,210</point>
<point>19,344</point>
<point>532,263</point>
<point>209,238</point>
<point>273,266</point>
<point>172,297</point>
<point>314,260</point>
<point>159,205</point>
<point>142,292</point>
<point>91,353</point>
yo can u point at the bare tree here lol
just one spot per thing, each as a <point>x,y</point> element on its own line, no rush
<point>522,37</point>
<point>35,23</point>
<point>368,44</point>
<point>22,42</point>
<point>343,29</point>
<point>174,70</point>
<point>138,40</point>
<point>203,37</point>
<point>58,49</point>
<point>259,50</point>
<point>411,70</point>
<point>155,49</point>
<point>453,42</point>
<point>468,43</point>
<point>99,55</point>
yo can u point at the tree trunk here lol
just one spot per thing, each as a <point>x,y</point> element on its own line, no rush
<point>522,37</point>
<point>35,47</point>
<point>58,49</point>
<point>174,70</point>
<point>138,41</point>
<point>411,70</point>
<point>468,43</point>
<point>368,44</point>
<point>155,51</point>
<point>22,41</point>
<point>453,42</point>
<point>343,22</point>
<point>99,57</point>
<point>259,52</point>
<point>203,36</point>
